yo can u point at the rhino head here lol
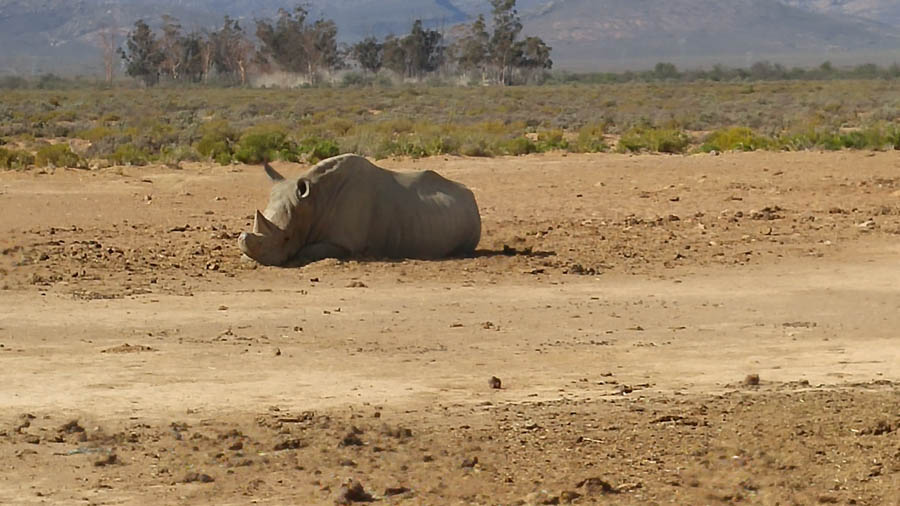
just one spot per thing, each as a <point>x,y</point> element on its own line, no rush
<point>282,230</point>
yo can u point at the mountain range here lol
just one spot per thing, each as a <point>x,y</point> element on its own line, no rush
<point>40,36</point>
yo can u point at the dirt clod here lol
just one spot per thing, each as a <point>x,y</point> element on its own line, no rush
<point>288,444</point>
<point>595,486</point>
<point>469,462</point>
<point>71,427</point>
<point>351,439</point>
<point>352,491</point>
<point>195,477</point>
<point>395,491</point>
<point>106,460</point>
<point>879,428</point>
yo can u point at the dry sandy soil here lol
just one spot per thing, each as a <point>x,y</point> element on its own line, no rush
<point>626,303</point>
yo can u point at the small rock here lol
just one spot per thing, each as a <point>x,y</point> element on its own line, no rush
<point>880,428</point>
<point>469,462</point>
<point>24,421</point>
<point>541,497</point>
<point>32,439</point>
<point>594,486</point>
<point>197,477</point>
<point>494,382</point>
<point>395,491</point>
<point>623,389</point>
<point>396,432</point>
<point>288,444</point>
<point>237,445</point>
<point>277,352</point>
<point>568,496</point>
<point>71,427</point>
<point>108,460</point>
<point>751,380</point>
<point>352,491</point>
<point>351,439</point>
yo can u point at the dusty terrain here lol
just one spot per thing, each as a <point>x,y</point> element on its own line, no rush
<point>625,303</point>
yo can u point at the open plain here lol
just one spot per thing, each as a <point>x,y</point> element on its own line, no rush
<point>666,329</point>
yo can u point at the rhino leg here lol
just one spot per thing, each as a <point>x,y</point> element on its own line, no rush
<point>320,251</point>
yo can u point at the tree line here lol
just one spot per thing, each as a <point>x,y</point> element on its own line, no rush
<point>294,42</point>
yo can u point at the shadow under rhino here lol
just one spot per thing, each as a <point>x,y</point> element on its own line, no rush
<point>346,207</point>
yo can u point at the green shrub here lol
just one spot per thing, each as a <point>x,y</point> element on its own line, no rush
<point>476,147</point>
<point>319,149</point>
<point>662,140</point>
<point>217,139</point>
<point>551,139</point>
<point>590,139</point>
<point>796,141</point>
<point>153,136</point>
<point>443,144</point>
<point>265,142</point>
<point>409,145</point>
<point>735,139</point>
<point>351,79</point>
<point>177,154</point>
<point>129,154</point>
<point>877,137</point>
<point>57,155</point>
<point>96,134</point>
<point>519,146</point>
<point>15,159</point>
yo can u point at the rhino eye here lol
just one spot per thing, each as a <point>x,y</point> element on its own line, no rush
<point>302,188</point>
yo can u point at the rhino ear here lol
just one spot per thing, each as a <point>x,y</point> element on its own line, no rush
<point>272,173</point>
<point>303,188</point>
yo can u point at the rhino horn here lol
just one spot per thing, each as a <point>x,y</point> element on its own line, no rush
<point>261,225</point>
<point>272,173</point>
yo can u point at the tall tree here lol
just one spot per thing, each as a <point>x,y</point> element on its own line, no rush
<point>231,51</point>
<point>107,37</point>
<point>170,44</point>
<point>425,51</point>
<point>471,50</point>
<point>507,27</point>
<point>532,55</point>
<point>369,53</point>
<point>416,54</point>
<point>295,45</point>
<point>394,55</point>
<point>280,41</point>
<point>320,43</point>
<point>192,68</point>
<point>142,54</point>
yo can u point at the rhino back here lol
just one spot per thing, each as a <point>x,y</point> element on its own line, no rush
<point>424,215</point>
<point>378,212</point>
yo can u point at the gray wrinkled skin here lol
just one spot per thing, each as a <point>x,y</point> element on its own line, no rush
<point>346,206</point>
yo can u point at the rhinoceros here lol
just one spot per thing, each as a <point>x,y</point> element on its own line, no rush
<point>346,206</point>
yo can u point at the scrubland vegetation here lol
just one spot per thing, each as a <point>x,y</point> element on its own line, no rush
<point>90,127</point>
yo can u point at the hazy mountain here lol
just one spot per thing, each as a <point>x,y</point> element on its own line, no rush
<point>619,33</point>
<point>882,11</point>
<point>62,35</point>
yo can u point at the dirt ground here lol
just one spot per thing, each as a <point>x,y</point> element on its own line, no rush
<point>666,329</point>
